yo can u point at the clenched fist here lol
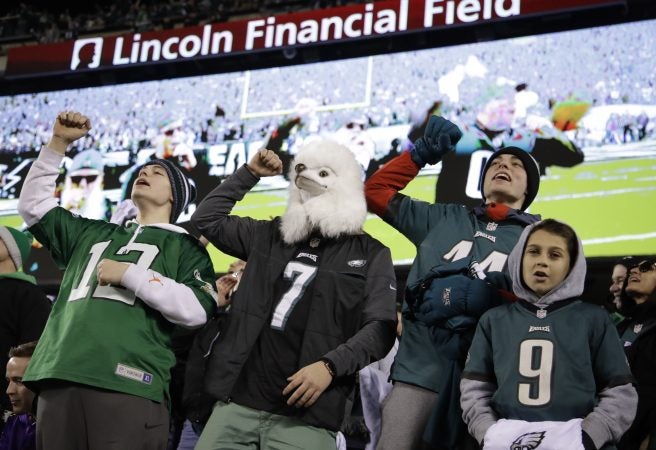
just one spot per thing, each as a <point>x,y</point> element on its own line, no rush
<point>69,126</point>
<point>440,138</point>
<point>109,272</point>
<point>265,163</point>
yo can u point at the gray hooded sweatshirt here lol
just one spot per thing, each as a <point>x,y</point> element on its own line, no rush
<point>577,365</point>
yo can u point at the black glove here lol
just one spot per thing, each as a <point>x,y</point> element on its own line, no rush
<point>588,444</point>
<point>440,137</point>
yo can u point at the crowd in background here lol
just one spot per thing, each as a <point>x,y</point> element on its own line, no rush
<point>467,78</point>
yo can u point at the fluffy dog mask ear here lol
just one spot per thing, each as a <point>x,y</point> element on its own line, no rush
<point>326,193</point>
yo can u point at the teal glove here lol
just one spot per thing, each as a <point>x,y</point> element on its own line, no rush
<point>440,138</point>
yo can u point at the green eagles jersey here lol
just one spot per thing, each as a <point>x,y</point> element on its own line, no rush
<point>443,234</point>
<point>547,366</point>
<point>104,336</point>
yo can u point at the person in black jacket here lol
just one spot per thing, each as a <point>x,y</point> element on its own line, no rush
<point>24,308</point>
<point>638,334</point>
<point>316,304</point>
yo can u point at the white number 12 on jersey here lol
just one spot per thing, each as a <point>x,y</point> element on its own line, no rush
<point>148,254</point>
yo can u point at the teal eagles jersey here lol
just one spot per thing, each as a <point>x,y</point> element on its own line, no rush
<point>104,336</point>
<point>547,367</point>
<point>443,234</point>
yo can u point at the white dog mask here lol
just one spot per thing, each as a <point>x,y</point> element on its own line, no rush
<point>326,193</point>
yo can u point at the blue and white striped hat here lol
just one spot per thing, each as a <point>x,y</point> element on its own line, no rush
<point>183,191</point>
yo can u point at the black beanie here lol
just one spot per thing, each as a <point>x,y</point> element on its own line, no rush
<point>182,190</point>
<point>530,167</point>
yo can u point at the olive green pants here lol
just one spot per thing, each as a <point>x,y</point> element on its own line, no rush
<point>235,427</point>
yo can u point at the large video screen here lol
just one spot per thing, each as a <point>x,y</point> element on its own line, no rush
<point>582,102</point>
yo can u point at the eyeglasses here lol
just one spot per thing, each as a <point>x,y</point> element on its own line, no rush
<point>646,266</point>
<point>77,179</point>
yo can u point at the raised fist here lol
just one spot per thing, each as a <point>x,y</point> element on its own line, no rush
<point>440,138</point>
<point>69,126</point>
<point>265,163</point>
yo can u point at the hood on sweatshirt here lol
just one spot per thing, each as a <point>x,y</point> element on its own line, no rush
<point>570,287</point>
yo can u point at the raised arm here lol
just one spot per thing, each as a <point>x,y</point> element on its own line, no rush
<point>37,195</point>
<point>440,138</point>
<point>212,217</point>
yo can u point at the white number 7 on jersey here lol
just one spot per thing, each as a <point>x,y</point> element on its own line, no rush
<point>301,275</point>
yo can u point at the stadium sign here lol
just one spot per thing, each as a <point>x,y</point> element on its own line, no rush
<point>274,32</point>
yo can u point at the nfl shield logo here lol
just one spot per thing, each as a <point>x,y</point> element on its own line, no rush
<point>314,242</point>
<point>491,226</point>
<point>637,328</point>
<point>541,313</point>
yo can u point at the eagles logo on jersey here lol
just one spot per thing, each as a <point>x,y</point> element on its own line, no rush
<point>528,441</point>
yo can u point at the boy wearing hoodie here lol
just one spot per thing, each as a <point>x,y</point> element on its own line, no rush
<point>547,369</point>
